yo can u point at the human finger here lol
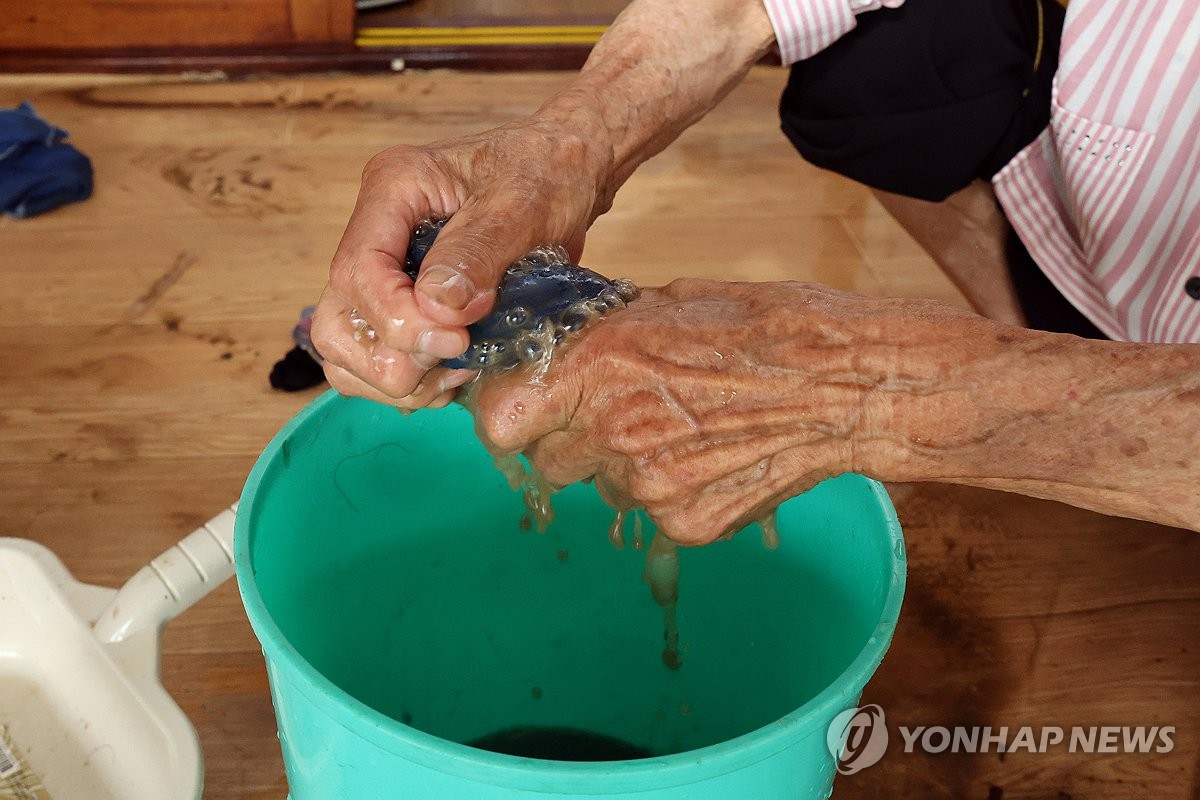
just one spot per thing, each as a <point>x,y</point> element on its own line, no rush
<point>436,389</point>
<point>460,273</point>
<point>381,294</point>
<point>563,458</point>
<point>346,341</point>
<point>511,413</point>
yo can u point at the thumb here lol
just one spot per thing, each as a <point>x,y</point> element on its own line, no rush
<point>511,413</point>
<point>460,274</point>
<point>575,246</point>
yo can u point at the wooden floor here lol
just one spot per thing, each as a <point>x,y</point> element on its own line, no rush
<point>137,330</point>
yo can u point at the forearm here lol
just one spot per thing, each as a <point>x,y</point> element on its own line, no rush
<point>1109,426</point>
<point>660,67</point>
<point>917,391</point>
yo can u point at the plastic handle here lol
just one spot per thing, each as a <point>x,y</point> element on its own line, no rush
<point>173,582</point>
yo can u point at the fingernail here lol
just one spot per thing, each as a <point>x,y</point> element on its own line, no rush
<point>424,360</point>
<point>457,378</point>
<point>442,343</point>
<point>446,287</point>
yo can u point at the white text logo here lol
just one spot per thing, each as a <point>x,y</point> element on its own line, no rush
<point>857,738</point>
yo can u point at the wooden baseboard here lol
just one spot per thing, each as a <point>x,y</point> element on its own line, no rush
<point>562,56</point>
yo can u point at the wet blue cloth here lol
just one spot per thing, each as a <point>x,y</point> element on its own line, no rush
<point>38,172</point>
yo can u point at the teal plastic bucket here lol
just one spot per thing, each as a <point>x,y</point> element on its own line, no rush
<point>403,612</point>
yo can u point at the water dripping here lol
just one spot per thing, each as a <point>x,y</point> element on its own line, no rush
<point>662,573</point>
<point>616,531</point>
<point>770,531</point>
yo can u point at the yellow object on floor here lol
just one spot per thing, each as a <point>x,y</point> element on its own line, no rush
<point>480,35</point>
<point>17,780</point>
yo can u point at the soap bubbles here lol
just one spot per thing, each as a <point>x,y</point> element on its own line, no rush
<point>543,301</point>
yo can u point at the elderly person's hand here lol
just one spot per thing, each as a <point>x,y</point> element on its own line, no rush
<point>508,190</point>
<point>710,403</point>
<point>540,181</point>
<point>706,403</point>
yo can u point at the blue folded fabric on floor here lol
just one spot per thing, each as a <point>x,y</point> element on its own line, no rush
<point>38,172</point>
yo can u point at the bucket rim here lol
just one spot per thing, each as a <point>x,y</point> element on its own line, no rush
<point>602,777</point>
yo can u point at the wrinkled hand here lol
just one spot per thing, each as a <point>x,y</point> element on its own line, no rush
<point>710,403</point>
<point>509,190</point>
<point>705,403</point>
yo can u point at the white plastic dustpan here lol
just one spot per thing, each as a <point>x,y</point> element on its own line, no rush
<point>83,712</point>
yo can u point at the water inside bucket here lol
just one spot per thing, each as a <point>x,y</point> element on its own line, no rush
<point>559,744</point>
<point>433,607</point>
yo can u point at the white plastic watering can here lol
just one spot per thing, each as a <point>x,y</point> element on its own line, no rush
<point>83,713</point>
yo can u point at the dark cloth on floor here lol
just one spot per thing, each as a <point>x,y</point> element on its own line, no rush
<point>38,171</point>
<point>922,99</point>
<point>301,368</point>
<point>296,372</point>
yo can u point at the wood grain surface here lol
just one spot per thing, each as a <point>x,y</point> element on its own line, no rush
<point>137,330</point>
<point>296,59</point>
<point>68,25</point>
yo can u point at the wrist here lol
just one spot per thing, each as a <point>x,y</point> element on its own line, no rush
<point>575,116</point>
<point>997,404</point>
<point>660,67</point>
<point>948,396</point>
